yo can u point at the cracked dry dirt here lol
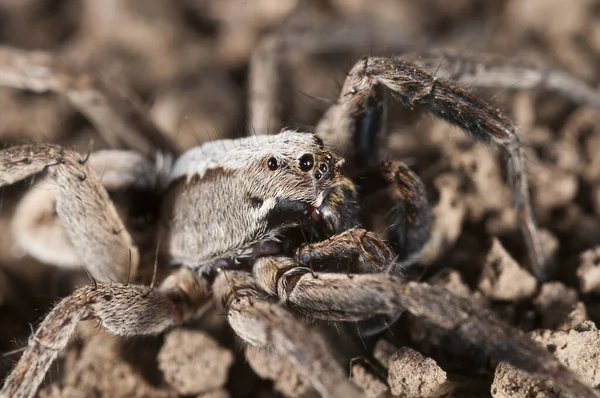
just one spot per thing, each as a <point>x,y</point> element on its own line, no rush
<point>188,62</point>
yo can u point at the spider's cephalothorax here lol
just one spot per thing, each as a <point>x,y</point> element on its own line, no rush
<point>239,199</point>
<point>269,226</point>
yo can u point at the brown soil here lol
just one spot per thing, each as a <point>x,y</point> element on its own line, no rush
<point>188,62</point>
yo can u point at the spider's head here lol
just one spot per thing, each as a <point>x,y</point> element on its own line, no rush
<point>280,177</point>
<point>298,171</point>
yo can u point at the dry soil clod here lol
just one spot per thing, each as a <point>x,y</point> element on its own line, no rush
<point>503,279</point>
<point>193,363</point>
<point>413,375</point>
<point>588,272</point>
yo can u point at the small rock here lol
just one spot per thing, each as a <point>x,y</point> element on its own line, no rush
<point>411,374</point>
<point>369,383</point>
<point>503,279</point>
<point>550,244</point>
<point>577,349</point>
<point>449,214</point>
<point>511,382</point>
<point>193,363</point>
<point>588,272</point>
<point>220,393</point>
<point>270,365</point>
<point>576,316</point>
<point>451,280</point>
<point>555,303</point>
<point>383,351</point>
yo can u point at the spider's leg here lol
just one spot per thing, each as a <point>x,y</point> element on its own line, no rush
<point>268,76</point>
<point>494,71</point>
<point>355,126</point>
<point>119,118</point>
<point>122,309</point>
<point>341,253</point>
<point>348,247</point>
<point>262,323</point>
<point>91,222</point>
<point>362,116</point>
<point>409,221</point>
<point>415,87</point>
<point>39,230</point>
<point>343,297</point>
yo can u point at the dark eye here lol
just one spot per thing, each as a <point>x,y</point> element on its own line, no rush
<point>272,163</point>
<point>306,162</point>
<point>319,142</point>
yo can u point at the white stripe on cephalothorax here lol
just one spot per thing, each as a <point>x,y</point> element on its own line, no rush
<point>241,152</point>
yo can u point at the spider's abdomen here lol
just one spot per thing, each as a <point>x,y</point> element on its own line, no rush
<point>211,217</point>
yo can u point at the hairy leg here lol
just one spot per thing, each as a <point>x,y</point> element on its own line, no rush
<point>416,87</point>
<point>38,229</point>
<point>272,58</point>
<point>122,309</point>
<point>268,76</point>
<point>347,297</point>
<point>409,221</point>
<point>350,246</point>
<point>262,323</point>
<point>119,118</point>
<point>91,222</point>
<point>490,70</point>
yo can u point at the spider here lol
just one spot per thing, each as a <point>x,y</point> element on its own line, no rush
<point>268,226</point>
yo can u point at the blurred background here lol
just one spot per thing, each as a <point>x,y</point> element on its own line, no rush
<point>187,63</point>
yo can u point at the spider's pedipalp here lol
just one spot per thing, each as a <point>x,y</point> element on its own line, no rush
<point>262,323</point>
<point>343,297</point>
<point>349,246</point>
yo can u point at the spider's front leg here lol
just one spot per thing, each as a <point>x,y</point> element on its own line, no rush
<point>83,206</point>
<point>359,250</point>
<point>347,297</point>
<point>122,309</point>
<point>118,117</point>
<point>410,218</point>
<point>416,87</point>
<point>408,222</point>
<point>355,126</point>
<point>265,324</point>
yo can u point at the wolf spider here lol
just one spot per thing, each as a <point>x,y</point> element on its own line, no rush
<point>268,226</point>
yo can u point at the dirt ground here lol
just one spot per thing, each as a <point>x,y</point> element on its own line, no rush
<point>188,63</point>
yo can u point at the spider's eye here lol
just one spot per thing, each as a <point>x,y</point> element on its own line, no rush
<point>306,162</point>
<point>319,142</point>
<point>272,163</point>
